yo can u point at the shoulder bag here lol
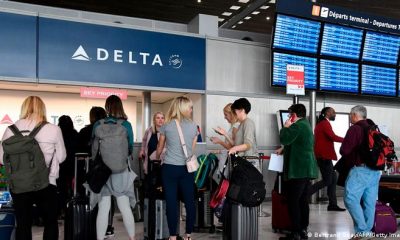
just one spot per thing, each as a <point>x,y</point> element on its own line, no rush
<point>191,162</point>
<point>98,174</point>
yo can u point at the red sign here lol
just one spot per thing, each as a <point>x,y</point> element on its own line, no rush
<point>295,79</point>
<point>96,92</point>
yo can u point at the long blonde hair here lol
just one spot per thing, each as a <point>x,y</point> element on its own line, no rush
<point>228,110</point>
<point>179,109</point>
<point>33,108</point>
<point>153,128</point>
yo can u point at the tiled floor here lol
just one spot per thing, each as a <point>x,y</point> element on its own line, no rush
<point>323,225</point>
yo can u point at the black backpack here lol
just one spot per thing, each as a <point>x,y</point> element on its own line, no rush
<point>246,183</point>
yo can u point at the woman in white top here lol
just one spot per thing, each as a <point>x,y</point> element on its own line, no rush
<point>50,139</point>
<point>231,134</point>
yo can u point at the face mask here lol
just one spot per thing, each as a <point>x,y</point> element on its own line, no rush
<point>332,118</point>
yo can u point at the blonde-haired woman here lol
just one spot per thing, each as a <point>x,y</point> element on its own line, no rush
<point>50,139</point>
<point>174,172</point>
<point>150,139</point>
<point>231,134</point>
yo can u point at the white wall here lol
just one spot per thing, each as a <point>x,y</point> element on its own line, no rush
<point>58,104</point>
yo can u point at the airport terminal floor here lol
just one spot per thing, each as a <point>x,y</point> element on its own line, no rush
<point>323,225</point>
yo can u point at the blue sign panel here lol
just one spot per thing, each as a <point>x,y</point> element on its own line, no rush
<point>281,60</point>
<point>89,53</point>
<point>296,34</point>
<point>338,76</point>
<point>382,48</point>
<point>18,45</point>
<point>378,80</point>
<point>340,41</point>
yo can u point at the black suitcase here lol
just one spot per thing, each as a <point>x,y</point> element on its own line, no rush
<point>204,214</point>
<point>80,220</point>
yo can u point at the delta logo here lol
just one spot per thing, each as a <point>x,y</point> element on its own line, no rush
<point>130,57</point>
<point>6,120</point>
<point>320,11</point>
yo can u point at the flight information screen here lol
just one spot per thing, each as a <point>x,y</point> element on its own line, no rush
<point>381,48</point>
<point>296,34</point>
<point>280,61</point>
<point>378,80</point>
<point>339,41</point>
<point>338,76</point>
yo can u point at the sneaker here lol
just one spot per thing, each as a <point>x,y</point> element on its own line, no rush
<point>109,232</point>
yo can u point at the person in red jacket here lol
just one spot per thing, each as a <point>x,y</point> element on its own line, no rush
<point>325,153</point>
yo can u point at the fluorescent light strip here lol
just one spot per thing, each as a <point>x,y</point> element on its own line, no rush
<point>247,18</point>
<point>255,12</point>
<point>226,14</point>
<point>221,19</point>
<point>272,1</point>
<point>264,7</point>
<point>243,1</point>
<point>234,26</point>
<point>235,7</point>
<point>240,22</point>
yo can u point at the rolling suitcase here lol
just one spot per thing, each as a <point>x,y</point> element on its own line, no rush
<point>241,223</point>
<point>155,220</point>
<point>79,223</point>
<point>7,223</point>
<point>204,216</point>
<point>280,213</point>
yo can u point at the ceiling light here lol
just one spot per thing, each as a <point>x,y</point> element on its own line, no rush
<point>221,19</point>
<point>272,1</point>
<point>234,26</point>
<point>255,12</point>
<point>268,18</point>
<point>244,1</point>
<point>199,1</point>
<point>227,13</point>
<point>264,7</point>
<point>240,22</point>
<point>235,7</point>
<point>247,18</point>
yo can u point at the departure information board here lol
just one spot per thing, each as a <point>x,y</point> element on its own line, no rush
<point>381,48</point>
<point>338,76</point>
<point>296,34</point>
<point>340,41</point>
<point>280,60</point>
<point>378,80</point>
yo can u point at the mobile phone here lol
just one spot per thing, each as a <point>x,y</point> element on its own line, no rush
<point>215,130</point>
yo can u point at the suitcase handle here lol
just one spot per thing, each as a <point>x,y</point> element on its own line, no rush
<point>80,157</point>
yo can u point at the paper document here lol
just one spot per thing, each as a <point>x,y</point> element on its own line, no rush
<point>276,163</point>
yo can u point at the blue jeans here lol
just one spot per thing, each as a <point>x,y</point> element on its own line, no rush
<point>361,193</point>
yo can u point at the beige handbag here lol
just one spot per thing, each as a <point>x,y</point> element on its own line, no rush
<point>191,162</point>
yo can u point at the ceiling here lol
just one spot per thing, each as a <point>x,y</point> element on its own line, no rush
<point>183,11</point>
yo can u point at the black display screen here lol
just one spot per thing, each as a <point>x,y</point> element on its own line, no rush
<point>339,41</point>
<point>378,80</point>
<point>296,34</point>
<point>381,48</point>
<point>338,76</point>
<point>280,62</point>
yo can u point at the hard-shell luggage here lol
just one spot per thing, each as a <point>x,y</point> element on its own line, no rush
<point>7,223</point>
<point>385,219</point>
<point>155,219</point>
<point>240,223</point>
<point>204,214</point>
<point>80,220</point>
<point>280,213</point>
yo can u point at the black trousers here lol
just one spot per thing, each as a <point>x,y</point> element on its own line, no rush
<point>328,180</point>
<point>297,197</point>
<point>47,202</point>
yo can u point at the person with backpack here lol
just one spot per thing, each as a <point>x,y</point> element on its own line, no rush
<point>113,140</point>
<point>299,168</point>
<point>362,183</point>
<point>325,154</point>
<point>32,162</point>
<point>174,171</point>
